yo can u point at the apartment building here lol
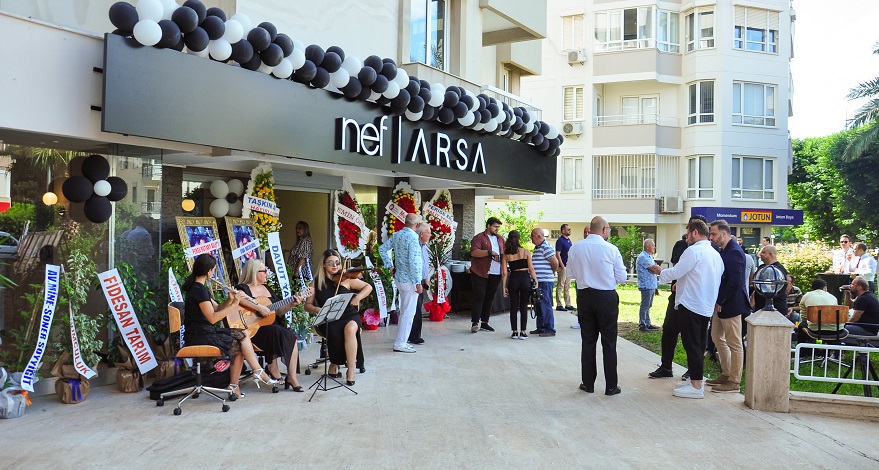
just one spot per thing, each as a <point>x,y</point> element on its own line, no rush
<point>669,108</point>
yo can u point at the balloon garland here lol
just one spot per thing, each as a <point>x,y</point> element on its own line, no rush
<point>95,187</point>
<point>261,185</point>
<point>206,32</point>
<point>228,198</point>
<point>408,199</point>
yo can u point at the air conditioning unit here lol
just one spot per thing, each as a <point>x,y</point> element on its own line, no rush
<point>572,127</point>
<point>577,56</point>
<point>671,205</point>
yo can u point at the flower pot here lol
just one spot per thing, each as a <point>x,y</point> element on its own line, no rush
<point>367,326</point>
<point>437,316</point>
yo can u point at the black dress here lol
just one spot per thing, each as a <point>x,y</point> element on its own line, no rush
<point>274,340</point>
<point>334,331</point>
<point>198,330</point>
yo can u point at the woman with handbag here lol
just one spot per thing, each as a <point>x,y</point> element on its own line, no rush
<point>521,278</point>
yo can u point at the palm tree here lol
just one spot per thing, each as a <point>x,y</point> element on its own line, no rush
<point>865,115</point>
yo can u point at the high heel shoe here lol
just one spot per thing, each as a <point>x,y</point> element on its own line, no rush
<point>288,385</point>
<point>235,390</point>
<point>349,381</point>
<point>257,378</point>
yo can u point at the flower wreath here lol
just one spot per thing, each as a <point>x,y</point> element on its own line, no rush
<point>408,199</point>
<point>350,237</point>
<point>261,185</point>
<point>441,234</point>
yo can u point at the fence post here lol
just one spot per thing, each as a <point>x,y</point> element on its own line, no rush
<point>767,374</point>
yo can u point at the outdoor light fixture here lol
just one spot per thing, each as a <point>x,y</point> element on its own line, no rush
<point>188,204</point>
<point>50,198</point>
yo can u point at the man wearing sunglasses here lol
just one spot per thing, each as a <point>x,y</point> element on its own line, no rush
<point>843,256</point>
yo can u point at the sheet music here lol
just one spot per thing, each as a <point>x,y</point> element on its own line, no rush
<point>333,308</point>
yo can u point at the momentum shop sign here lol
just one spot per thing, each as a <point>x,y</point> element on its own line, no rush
<point>737,215</point>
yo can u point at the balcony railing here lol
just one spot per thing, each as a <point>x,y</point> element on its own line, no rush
<point>644,176</point>
<point>512,100</point>
<point>646,43</point>
<point>150,171</point>
<point>151,208</point>
<point>633,119</point>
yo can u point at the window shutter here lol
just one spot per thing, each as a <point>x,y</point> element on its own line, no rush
<point>569,103</point>
<point>578,24</point>
<point>567,32</point>
<point>740,16</point>
<point>773,20</point>
<point>757,18</point>
<point>578,103</point>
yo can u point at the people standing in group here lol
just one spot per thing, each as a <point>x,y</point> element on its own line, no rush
<point>518,283</point>
<point>303,252</point>
<point>598,267</point>
<point>576,324</point>
<point>545,265</point>
<point>843,256</point>
<point>647,284</point>
<point>486,272</point>
<point>731,306</point>
<point>563,286</point>
<point>698,273</point>
<point>423,232</point>
<point>864,265</point>
<point>670,326</point>
<point>406,265</point>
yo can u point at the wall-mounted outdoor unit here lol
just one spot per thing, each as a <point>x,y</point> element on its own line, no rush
<point>577,56</point>
<point>671,204</point>
<point>572,128</point>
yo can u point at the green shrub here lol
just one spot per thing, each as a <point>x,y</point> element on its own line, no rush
<point>16,217</point>
<point>804,261</point>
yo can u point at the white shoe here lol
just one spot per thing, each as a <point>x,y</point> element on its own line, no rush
<point>405,349</point>
<point>682,384</point>
<point>688,391</point>
<point>576,326</point>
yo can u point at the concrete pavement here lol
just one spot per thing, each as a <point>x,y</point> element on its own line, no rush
<point>462,401</point>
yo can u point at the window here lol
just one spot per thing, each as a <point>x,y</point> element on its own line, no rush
<point>427,32</point>
<point>753,178</point>
<point>573,103</point>
<point>699,29</point>
<point>642,176</point>
<point>572,174</point>
<point>701,102</point>
<point>639,109</point>
<point>667,31</point>
<point>631,28</point>
<point>573,32</point>
<point>756,30</point>
<point>700,177</point>
<point>753,104</point>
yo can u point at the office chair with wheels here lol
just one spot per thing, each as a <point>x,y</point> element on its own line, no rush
<point>198,354</point>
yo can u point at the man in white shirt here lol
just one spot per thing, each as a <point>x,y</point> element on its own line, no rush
<point>598,267</point>
<point>864,265</point>
<point>843,256</point>
<point>698,274</point>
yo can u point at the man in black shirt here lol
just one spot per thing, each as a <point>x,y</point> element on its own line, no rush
<point>866,309</point>
<point>769,256</point>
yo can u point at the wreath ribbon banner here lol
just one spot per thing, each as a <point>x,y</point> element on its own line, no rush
<point>261,205</point>
<point>351,216</point>
<point>379,290</point>
<point>208,247</point>
<point>243,250</point>
<point>50,301</point>
<point>396,211</point>
<point>444,217</point>
<point>126,320</point>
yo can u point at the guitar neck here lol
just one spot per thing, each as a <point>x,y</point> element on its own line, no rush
<point>289,300</point>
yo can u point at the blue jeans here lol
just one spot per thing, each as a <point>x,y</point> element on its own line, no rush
<point>544,310</point>
<point>646,303</point>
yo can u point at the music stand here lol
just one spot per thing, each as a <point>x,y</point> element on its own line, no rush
<point>331,311</point>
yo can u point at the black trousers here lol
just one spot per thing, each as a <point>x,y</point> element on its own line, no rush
<point>519,287</point>
<point>670,332</point>
<point>415,333</point>
<point>693,328</point>
<point>598,311</point>
<point>483,295</point>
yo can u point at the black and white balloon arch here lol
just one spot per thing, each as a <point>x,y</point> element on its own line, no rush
<point>207,32</point>
<point>228,198</point>
<point>94,187</point>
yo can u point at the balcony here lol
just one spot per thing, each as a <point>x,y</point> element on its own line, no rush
<point>636,130</point>
<point>507,21</point>
<point>152,209</point>
<point>635,63</point>
<point>642,176</point>
<point>512,100</point>
<point>151,172</point>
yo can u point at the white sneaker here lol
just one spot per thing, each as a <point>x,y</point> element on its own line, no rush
<point>689,391</point>
<point>405,349</point>
<point>576,326</point>
<point>682,384</point>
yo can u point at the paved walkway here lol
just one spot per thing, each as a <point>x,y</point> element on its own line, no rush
<point>462,401</point>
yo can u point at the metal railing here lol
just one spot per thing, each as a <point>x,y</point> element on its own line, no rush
<point>151,207</point>
<point>151,171</point>
<point>644,176</point>
<point>512,100</point>
<point>635,119</point>
<point>835,365</point>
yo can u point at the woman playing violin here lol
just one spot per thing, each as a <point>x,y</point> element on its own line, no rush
<point>274,340</point>
<point>341,334</point>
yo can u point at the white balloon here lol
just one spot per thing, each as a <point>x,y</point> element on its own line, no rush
<point>298,45</point>
<point>478,126</point>
<point>297,59</point>
<point>147,32</point>
<point>235,209</point>
<point>168,6</point>
<point>402,78</point>
<point>413,116</point>
<point>529,127</point>
<point>352,65</point>
<point>392,91</point>
<point>220,49</point>
<point>475,100</point>
<point>102,188</point>
<point>219,208</point>
<point>284,69</point>
<point>374,96</point>
<point>219,189</point>
<point>234,31</point>
<point>340,78</point>
<point>244,21</point>
<point>150,10</point>
<point>437,95</point>
<point>202,53</point>
<point>264,68</point>
<point>553,132</point>
<point>491,125</point>
<point>236,186</point>
<point>467,120</point>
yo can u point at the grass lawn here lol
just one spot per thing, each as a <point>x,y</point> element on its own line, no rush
<point>630,301</point>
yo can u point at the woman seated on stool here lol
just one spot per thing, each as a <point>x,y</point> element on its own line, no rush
<point>274,340</point>
<point>201,312</point>
<point>341,334</point>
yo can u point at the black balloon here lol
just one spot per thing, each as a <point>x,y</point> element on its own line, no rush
<point>242,51</point>
<point>332,62</point>
<point>214,26</point>
<point>482,102</point>
<point>77,188</point>
<point>401,100</point>
<point>118,188</point>
<point>123,16</point>
<point>215,11</point>
<point>252,64</point>
<point>544,128</point>
<point>197,40</point>
<point>553,143</point>
<point>374,62</point>
<point>272,55</point>
<point>231,198</point>
<point>259,38</point>
<point>321,78</point>
<point>484,116</point>
<point>460,109</point>
<point>353,88</point>
<point>95,168</point>
<point>338,51</point>
<point>396,110</point>
<point>170,34</point>
<point>315,54</point>
<point>388,60</point>
<point>428,113</point>
<point>381,101</point>
<point>199,8</point>
<point>416,104</point>
<point>517,124</point>
<point>554,153</point>
<point>517,111</point>
<point>493,109</point>
<point>119,32</point>
<point>75,165</point>
<point>367,76</point>
<point>526,118</point>
<point>446,115</point>
<point>272,29</point>
<point>451,99</point>
<point>561,139</point>
<point>389,70</point>
<point>543,145</point>
<point>179,46</point>
<point>413,87</point>
<point>380,85</point>
<point>306,73</point>
<point>186,19</point>
<point>365,92</point>
<point>285,43</point>
<point>424,93</point>
<point>468,100</point>
<point>98,209</point>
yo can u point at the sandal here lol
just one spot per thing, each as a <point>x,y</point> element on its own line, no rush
<point>288,385</point>
<point>236,390</point>
<point>257,378</point>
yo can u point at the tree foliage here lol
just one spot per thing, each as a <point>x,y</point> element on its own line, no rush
<point>630,245</point>
<point>514,216</point>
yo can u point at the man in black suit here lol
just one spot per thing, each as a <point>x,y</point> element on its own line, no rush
<point>732,303</point>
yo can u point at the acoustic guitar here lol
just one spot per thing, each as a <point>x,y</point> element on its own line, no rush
<point>246,317</point>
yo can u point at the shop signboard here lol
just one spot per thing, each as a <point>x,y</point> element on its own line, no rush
<point>738,215</point>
